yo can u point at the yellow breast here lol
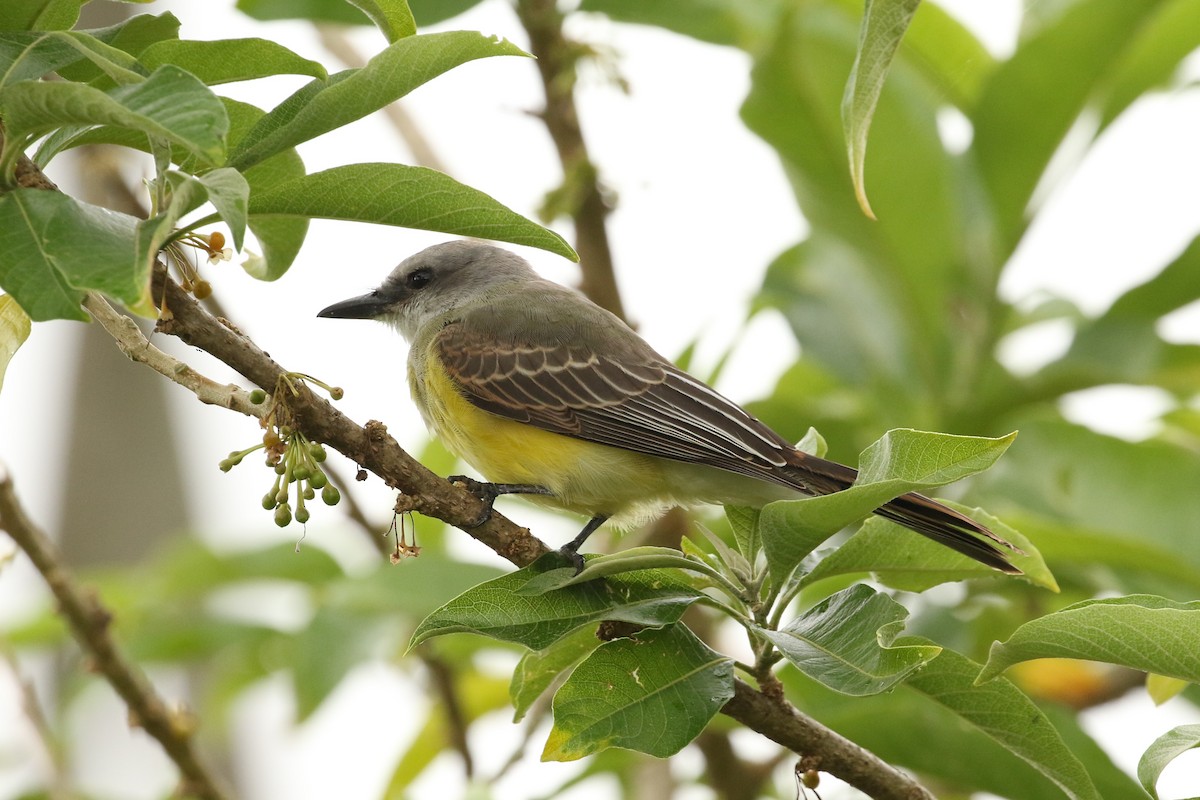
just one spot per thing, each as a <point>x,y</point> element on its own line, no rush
<point>585,477</point>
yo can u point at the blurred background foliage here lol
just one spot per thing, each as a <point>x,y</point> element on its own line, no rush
<point>899,323</point>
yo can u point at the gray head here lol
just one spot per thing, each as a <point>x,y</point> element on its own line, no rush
<point>434,282</point>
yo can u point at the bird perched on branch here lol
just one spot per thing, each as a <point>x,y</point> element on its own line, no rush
<point>549,395</point>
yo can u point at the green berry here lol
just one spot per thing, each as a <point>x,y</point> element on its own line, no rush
<point>258,396</point>
<point>317,452</point>
<point>330,495</point>
<point>308,493</point>
<point>301,473</point>
<point>337,393</point>
<point>226,464</point>
<point>280,468</point>
<point>268,501</point>
<point>302,515</point>
<point>283,515</point>
<point>317,480</point>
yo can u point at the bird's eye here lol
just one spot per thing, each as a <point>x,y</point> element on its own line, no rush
<point>417,279</point>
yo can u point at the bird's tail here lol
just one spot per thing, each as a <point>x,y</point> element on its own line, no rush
<point>916,512</point>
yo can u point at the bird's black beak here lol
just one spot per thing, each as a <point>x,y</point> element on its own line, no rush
<point>368,306</point>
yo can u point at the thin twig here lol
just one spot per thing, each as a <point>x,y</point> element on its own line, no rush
<point>89,621</point>
<point>59,788</point>
<point>133,343</point>
<point>556,60</point>
<point>334,39</point>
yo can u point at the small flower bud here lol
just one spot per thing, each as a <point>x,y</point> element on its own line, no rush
<point>269,501</point>
<point>317,452</point>
<point>202,289</point>
<point>318,479</point>
<point>283,515</point>
<point>337,393</point>
<point>330,495</point>
<point>302,515</point>
<point>257,396</point>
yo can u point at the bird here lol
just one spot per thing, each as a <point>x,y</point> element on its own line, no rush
<point>549,395</point>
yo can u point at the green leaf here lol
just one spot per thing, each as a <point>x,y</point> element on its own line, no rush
<point>322,106</point>
<point>653,693</point>
<point>1006,715</point>
<point>1034,98</point>
<point>229,193</point>
<point>1144,632</point>
<point>392,17</point>
<point>1095,498</point>
<point>133,36</point>
<point>500,608</point>
<point>427,12</point>
<point>726,22</point>
<point>28,55</point>
<point>225,188</point>
<point>55,249</point>
<point>230,60</point>
<point>1152,56</point>
<point>744,522</point>
<point>921,563</point>
<point>883,26</point>
<point>1165,749</point>
<point>14,330</point>
<point>631,559</point>
<point>1161,688</point>
<point>279,237</point>
<point>845,642</point>
<point>901,461</point>
<point>410,197</point>
<point>1123,345</point>
<point>170,105</point>
<point>39,15</point>
<point>538,669</point>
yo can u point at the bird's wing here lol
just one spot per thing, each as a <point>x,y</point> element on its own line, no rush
<point>625,396</point>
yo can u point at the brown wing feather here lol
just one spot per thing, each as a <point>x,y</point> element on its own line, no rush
<point>648,407</point>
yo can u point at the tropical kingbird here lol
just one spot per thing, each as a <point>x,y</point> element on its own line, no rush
<point>546,393</point>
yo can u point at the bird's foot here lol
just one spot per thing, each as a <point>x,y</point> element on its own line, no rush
<point>488,492</point>
<point>570,550</point>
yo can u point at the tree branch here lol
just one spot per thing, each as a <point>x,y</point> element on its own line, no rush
<point>556,58</point>
<point>819,747</point>
<point>369,445</point>
<point>89,622</point>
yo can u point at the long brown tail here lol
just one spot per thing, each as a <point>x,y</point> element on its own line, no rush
<point>916,512</point>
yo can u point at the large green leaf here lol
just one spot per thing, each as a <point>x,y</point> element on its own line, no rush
<point>1139,495</point>
<point>280,237</point>
<point>426,12</point>
<point>14,330</point>
<point>883,26</point>
<point>171,105</point>
<point>929,738</point>
<point>230,60</point>
<point>652,693</point>
<point>1034,98</point>
<point>538,669</point>
<point>846,642</point>
<point>502,609</point>
<point>39,15</point>
<point>1165,749</point>
<point>410,197</point>
<point>332,644</point>
<point>1002,712</point>
<point>1144,632</point>
<point>133,36</point>
<point>901,461</point>
<point>55,249</point>
<point>322,106</point>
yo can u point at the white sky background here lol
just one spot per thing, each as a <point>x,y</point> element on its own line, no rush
<point>702,209</point>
